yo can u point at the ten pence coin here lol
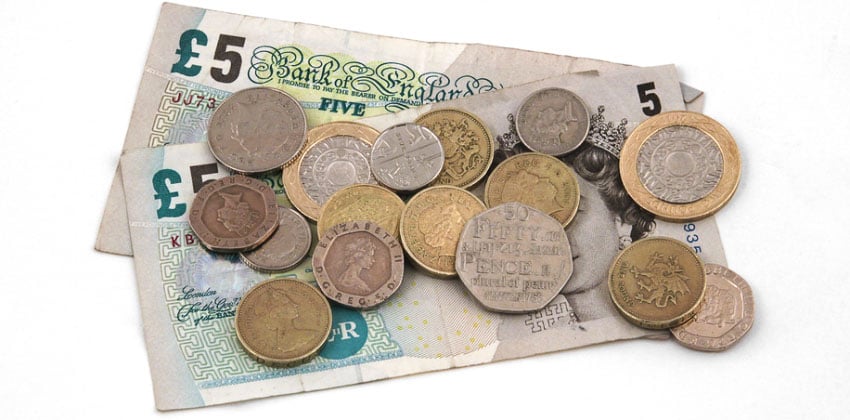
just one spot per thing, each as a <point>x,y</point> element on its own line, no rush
<point>657,283</point>
<point>283,322</point>
<point>514,258</point>
<point>286,247</point>
<point>407,157</point>
<point>234,214</point>
<point>362,202</point>
<point>467,143</point>
<point>553,121</point>
<point>358,264</point>
<point>257,130</point>
<point>726,314</point>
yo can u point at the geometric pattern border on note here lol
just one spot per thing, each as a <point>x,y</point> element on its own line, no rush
<point>183,113</point>
<point>547,317</point>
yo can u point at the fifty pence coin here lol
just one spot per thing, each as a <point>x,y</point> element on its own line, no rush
<point>234,214</point>
<point>553,121</point>
<point>292,181</point>
<point>362,202</point>
<point>285,248</point>
<point>283,322</point>
<point>726,314</point>
<point>657,283</point>
<point>514,258</point>
<point>541,181</point>
<point>467,144</point>
<point>358,264</point>
<point>680,166</point>
<point>257,130</point>
<point>407,157</point>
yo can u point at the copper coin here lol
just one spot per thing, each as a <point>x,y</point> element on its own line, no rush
<point>234,214</point>
<point>283,322</point>
<point>657,283</point>
<point>553,121</point>
<point>726,314</point>
<point>358,264</point>
<point>287,246</point>
<point>257,130</point>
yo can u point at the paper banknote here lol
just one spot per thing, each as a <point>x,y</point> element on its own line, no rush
<point>188,295</point>
<point>199,57</point>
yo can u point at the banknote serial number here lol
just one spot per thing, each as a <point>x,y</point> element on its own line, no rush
<point>692,237</point>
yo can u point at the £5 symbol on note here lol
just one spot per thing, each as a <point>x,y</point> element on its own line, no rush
<point>223,53</point>
<point>166,178</point>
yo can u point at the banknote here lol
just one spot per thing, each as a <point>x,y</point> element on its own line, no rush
<point>188,295</point>
<point>199,57</point>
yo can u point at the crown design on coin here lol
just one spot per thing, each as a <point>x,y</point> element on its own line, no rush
<point>605,135</point>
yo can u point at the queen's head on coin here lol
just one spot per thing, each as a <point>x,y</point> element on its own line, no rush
<point>279,314</point>
<point>359,255</point>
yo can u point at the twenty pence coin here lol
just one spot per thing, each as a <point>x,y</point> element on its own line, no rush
<point>283,322</point>
<point>514,258</point>
<point>553,121</point>
<point>431,224</point>
<point>538,180</point>
<point>287,246</point>
<point>407,157</point>
<point>291,176</point>
<point>362,202</point>
<point>681,166</point>
<point>257,130</point>
<point>726,314</point>
<point>358,264</point>
<point>234,214</point>
<point>467,143</point>
<point>657,283</point>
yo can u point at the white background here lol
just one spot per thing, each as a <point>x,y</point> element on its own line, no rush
<point>776,75</point>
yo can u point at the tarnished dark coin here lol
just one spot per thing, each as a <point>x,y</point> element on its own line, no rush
<point>283,322</point>
<point>657,283</point>
<point>407,157</point>
<point>514,258</point>
<point>286,247</point>
<point>358,264</point>
<point>234,214</point>
<point>726,314</point>
<point>257,130</point>
<point>553,121</point>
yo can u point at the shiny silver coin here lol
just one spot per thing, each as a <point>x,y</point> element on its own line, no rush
<point>285,248</point>
<point>334,163</point>
<point>257,130</point>
<point>514,258</point>
<point>554,121</point>
<point>407,157</point>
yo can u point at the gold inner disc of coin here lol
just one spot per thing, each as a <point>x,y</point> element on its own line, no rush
<point>283,322</point>
<point>467,143</point>
<point>657,283</point>
<point>362,202</point>
<point>685,180</point>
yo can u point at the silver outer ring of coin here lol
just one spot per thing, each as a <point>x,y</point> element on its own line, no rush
<point>293,233</point>
<point>417,164</point>
<point>538,138</point>
<point>322,154</point>
<point>526,263</point>
<point>686,335</point>
<point>235,154</point>
<point>330,283</point>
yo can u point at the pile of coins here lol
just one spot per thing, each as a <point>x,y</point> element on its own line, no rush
<point>381,197</point>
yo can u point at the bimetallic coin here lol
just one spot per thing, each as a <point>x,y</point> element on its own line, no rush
<point>234,214</point>
<point>358,264</point>
<point>727,312</point>
<point>286,247</point>
<point>657,283</point>
<point>467,143</point>
<point>362,202</point>
<point>292,182</point>
<point>431,224</point>
<point>680,166</point>
<point>407,157</point>
<point>257,130</point>
<point>537,180</point>
<point>514,258</point>
<point>553,121</point>
<point>283,322</point>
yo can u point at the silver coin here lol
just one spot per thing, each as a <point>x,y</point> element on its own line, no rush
<point>514,258</point>
<point>554,121</point>
<point>679,164</point>
<point>334,163</point>
<point>285,248</point>
<point>257,130</point>
<point>407,157</point>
